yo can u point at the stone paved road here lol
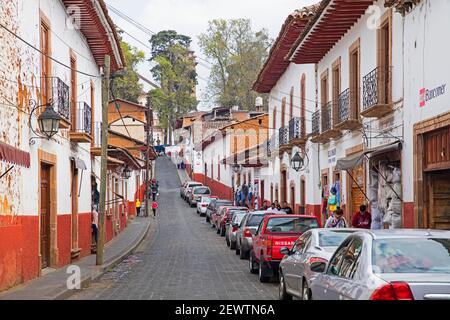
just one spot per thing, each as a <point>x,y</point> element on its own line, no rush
<point>185,259</point>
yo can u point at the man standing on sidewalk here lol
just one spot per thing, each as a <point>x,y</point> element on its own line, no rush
<point>138,207</point>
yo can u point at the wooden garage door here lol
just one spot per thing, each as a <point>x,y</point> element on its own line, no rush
<point>439,205</point>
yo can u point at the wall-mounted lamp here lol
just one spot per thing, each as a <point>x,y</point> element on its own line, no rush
<point>48,122</point>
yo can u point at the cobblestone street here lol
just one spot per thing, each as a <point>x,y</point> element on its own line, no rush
<point>184,259</point>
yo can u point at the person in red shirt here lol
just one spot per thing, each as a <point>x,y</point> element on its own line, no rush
<point>362,219</point>
<point>154,207</point>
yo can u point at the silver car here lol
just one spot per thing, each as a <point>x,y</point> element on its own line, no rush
<point>313,246</point>
<point>197,193</point>
<point>398,264</point>
<point>244,241</point>
<point>188,189</point>
<point>234,227</point>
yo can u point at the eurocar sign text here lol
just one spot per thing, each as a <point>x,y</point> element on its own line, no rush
<point>427,95</point>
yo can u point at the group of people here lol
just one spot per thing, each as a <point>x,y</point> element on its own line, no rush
<point>275,207</point>
<point>154,191</point>
<point>244,195</point>
<point>361,219</point>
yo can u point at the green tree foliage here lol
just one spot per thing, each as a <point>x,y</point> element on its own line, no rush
<point>127,86</point>
<point>175,70</point>
<point>237,54</point>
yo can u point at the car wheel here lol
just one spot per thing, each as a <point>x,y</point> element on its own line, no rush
<point>282,294</point>
<point>238,251</point>
<point>222,232</point>
<point>261,270</point>
<point>251,264</point>
<point>227,241</point>
<point>306,292</point>
<point>242,254</point>
<point>233,245</point>
<point>219,231</point>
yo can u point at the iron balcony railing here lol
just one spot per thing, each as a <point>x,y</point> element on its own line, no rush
<point>343,107</point>
<point>316,123</point>
<point>61,98</point>
<point>327,112</point>
<point>376,87</point>
<point>83,118</point>
<point>297,128</point>
<point>268,148</point>
<point>283,136</point>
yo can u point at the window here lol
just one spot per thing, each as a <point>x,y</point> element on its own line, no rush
<point>46,90</point>
<point>336,87</point>
<point>384,36</point>
<point>303,104</point>
<point>299,245</point>
<point>283,112</point>
<point>355,79</point>
<point>350,259</point>
<point>333,268</point>
<point>73,91</point>
<point>324,88</point>
<point>290,225</point>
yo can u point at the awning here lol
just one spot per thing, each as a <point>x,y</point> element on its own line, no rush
<point>355,160</point>
<point>14,156</point>
<point>79,164</point>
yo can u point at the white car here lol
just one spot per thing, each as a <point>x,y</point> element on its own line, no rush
<point>202,205</point>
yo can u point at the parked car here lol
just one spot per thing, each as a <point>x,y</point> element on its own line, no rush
<point>275,232</point>
<point>224,218</point>
<point>183,185</point>
<point>203,204</point>
<point>315,245</point>
<point>234,227</point>
<point>188,187</point>
<point>244,243</point>
<point>401,264</point>
<point>187,193</point>
<point>214,205</point>
<point>227,222</point>
<point>215,216</point>
<point>197,193</point>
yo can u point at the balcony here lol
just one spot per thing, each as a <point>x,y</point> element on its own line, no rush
<point>315,133</point>
<point>272,145</point>
<point>297,132</point>
<point>376,94</point>
<point>346,118</point>
<point>283,140</point>
<point>96,146</point>
<point>61,101</point>
<point>82,124</point>
<point>328,131</point>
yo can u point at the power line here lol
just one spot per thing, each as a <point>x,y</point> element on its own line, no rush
<point>47,55</point>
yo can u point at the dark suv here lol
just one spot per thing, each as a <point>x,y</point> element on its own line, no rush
<point>214,205</point>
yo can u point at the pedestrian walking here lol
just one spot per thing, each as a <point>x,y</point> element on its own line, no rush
<point>337,220</point>
<point>154,188</point>
<point>154,207</point>
<point>362,219</point>
<point>94,225</point>
<point>138,207</point>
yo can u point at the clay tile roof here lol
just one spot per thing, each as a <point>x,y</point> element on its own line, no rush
<point>277,62</point>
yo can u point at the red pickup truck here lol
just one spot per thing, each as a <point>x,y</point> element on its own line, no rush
<point>275,232</point>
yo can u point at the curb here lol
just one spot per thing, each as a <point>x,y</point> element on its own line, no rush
<point>101,270</point>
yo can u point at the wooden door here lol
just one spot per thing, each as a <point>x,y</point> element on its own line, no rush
<point>439,200</point>
<point>74,195</point>
<point>45,216</point>
<point>357,195</point>
<point>302,196</point>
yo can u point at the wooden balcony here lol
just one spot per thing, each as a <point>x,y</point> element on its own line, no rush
<point>346,118</point>
<point>377,94</point>
<point>328,131</point>
<point>81,132</point>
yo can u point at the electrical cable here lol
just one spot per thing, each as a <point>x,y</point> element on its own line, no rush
<point>47,55</point>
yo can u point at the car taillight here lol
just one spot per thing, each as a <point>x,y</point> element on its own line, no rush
<point>235,229</point>
<point>316,259</point>
<point>247,233</point>
<point>393,291</point>
<point>204,205</point>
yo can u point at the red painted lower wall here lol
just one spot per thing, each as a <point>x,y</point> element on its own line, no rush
<point>198,177</point>
<point>408,215</point>
<point>314,210</point>
<point>64,239</point>
<point>85,233</point>
<point>219,189</point>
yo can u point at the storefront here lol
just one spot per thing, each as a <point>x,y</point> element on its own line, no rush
<point>432,173</point>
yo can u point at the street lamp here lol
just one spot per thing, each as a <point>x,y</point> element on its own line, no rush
<point>126,173</point>
<point>297,162</point>
<point>48,122</point>
<point>236,168</point>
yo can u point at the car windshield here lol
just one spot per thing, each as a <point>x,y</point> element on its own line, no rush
<point>416,255</point>
<point>331,238</point>
<point>291,225</point>
<point>255,220</point>
<point>202,191</point>
<point>238,216</point>
<point>206,200</point>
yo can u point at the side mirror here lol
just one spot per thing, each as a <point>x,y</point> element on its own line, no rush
<point>318,267</point>
<point>285,251</point>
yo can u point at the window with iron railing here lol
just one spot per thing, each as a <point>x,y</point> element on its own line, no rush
<point>376,87</point>
<point>83,118</point>
<point>283,134</point>
<point>316,123</point>
<point>296,128</point>
<point>327,116</point>
<point>343,107</point>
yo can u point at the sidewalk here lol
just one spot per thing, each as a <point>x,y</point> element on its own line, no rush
<point>52,286</point>
<point>182,174</point>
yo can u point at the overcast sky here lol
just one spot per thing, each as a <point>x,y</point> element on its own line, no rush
<point>190,17</point>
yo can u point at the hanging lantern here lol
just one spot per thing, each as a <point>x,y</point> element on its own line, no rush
<point>126,173</point>
<point>48,122</point>
<point>297,162</point>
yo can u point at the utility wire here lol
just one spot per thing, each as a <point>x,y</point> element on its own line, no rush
<point>47,55</point>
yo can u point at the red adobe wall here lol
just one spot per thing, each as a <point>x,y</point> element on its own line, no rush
<point>64,239</point>
<point>408,215</point>
<point>85,233</point>
<point>219,189</point>
<point>19,250</point>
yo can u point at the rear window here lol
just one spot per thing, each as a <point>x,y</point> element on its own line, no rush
<point>224,203</point>
<point>206,200</point>
<point>202,191</point>
<point>255,220</point>
<point>332,238</point>
<point>238,216</point>
<point>290,225</point>
<point>411,256</point>
<point>191,185</point>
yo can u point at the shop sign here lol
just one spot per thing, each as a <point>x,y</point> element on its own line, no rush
<point>430,94</point>
<point>332,156</point>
